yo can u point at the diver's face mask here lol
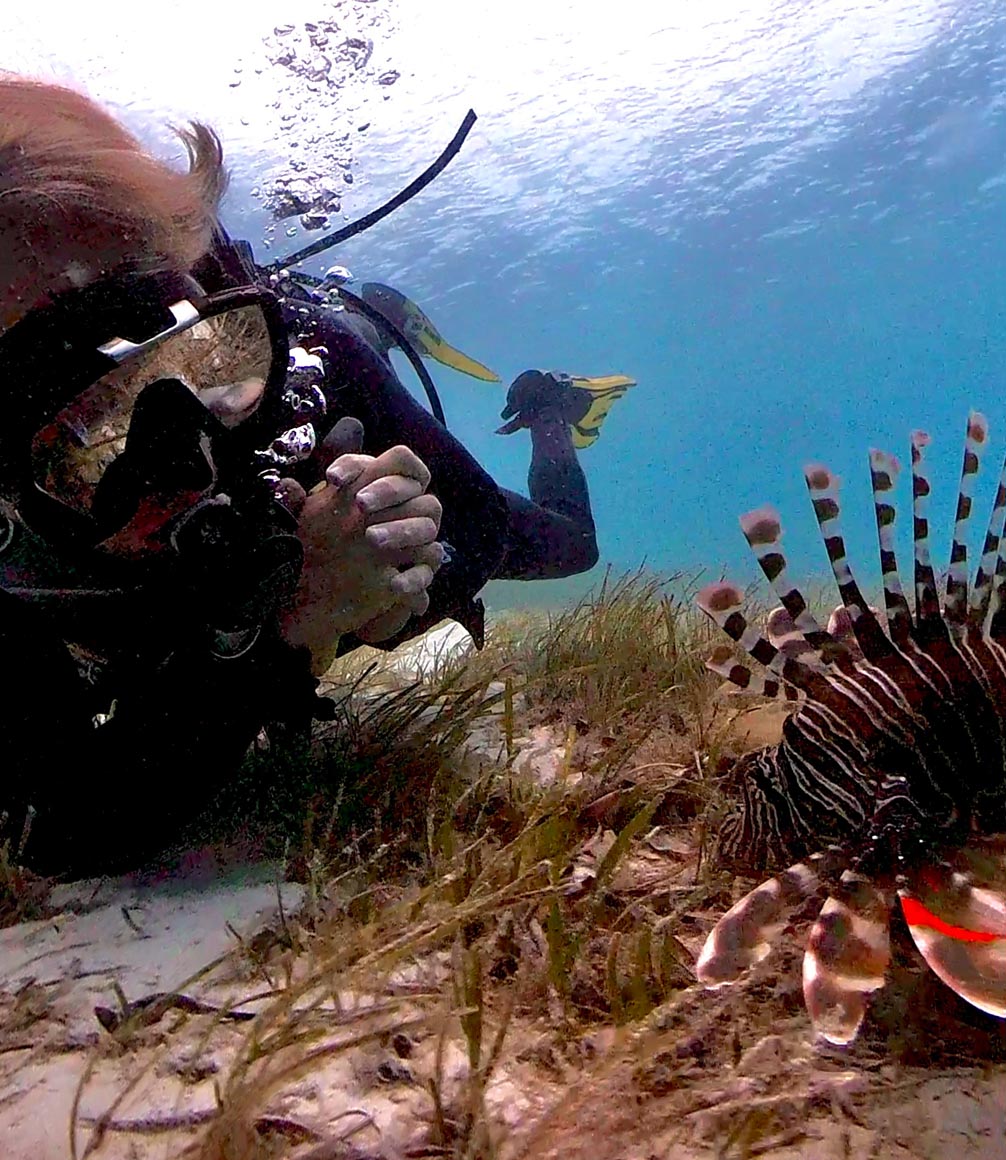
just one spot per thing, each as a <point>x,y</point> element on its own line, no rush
<point>120,404</point>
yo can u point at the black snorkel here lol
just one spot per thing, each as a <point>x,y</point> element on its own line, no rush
<point>400,198</point>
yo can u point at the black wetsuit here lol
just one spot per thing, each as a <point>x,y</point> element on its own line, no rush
<point>110,797</point>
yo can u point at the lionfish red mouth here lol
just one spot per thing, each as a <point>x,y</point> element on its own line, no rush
<point>892,765</point>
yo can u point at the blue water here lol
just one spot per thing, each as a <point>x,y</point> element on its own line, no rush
<point>797,260</point>
<point>773,314</point>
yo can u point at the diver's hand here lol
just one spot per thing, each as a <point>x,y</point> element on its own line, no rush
<point>537,395</point>
<point>370,551</point>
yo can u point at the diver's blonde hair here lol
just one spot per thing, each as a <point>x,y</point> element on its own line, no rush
<point>69,172</point>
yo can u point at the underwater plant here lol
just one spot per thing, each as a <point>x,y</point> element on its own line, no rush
<point>890,777</point>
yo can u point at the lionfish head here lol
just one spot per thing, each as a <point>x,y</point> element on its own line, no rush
<point>893,762</point>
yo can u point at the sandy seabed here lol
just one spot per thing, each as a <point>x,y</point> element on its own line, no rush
<point>109,1019</point>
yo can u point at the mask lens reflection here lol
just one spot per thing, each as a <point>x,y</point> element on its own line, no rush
<point>224,360</point>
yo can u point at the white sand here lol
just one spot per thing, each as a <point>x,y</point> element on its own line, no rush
<point>68,964</point>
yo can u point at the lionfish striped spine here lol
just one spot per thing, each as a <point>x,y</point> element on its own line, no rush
<point>892,763</point>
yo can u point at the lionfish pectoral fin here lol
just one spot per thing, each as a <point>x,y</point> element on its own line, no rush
<point>846,960</point>
<point>960,931</point>
<point>743,936</point>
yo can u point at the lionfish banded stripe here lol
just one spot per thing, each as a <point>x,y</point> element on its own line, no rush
<point>981,593</point>
<point>956,602</point>
<point>884,471</point>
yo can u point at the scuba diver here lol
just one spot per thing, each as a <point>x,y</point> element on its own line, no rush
<point>583,402</point>
<point>165,593</point>
<point>209,482</point>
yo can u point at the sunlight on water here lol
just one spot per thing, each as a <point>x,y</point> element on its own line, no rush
<point>573,109</point>
<point>781,219</point>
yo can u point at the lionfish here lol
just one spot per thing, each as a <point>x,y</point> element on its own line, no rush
<point>892,766</point>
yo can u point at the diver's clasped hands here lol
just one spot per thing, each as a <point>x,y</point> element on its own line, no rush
<point>401,522</point>
<point>369,535</point>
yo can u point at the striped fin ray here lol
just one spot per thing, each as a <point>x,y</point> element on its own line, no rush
<point>960,930</point>
<point>762,529</point>
<point>787,638</point>
<point>846,960</point>
<point>927,603</point>
<point>884,471</point>
<point>956,603</point>
<point>743,679</point>
<point>743,936</point>
<point>981,593</point>
<point>823,486</point>
<point>997,624</point>
<point>722,602</point>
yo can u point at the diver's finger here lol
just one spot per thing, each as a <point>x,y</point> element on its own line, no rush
<point>424,506</point>
<point>511,427</point>
<point>419,603</point>
<point>435,555</point>
<point>345,438</point>
<point>387,624</point>
<point>347,469</point>
<point>400,542</point>
<point>402,534</point>
<point>412,581</point>
<point>398,460</point>
<point>390,491</point>
<point>291,495</point>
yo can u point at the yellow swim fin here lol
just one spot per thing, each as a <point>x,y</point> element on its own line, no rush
<point>420,331</point>
<point>605,390</point>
